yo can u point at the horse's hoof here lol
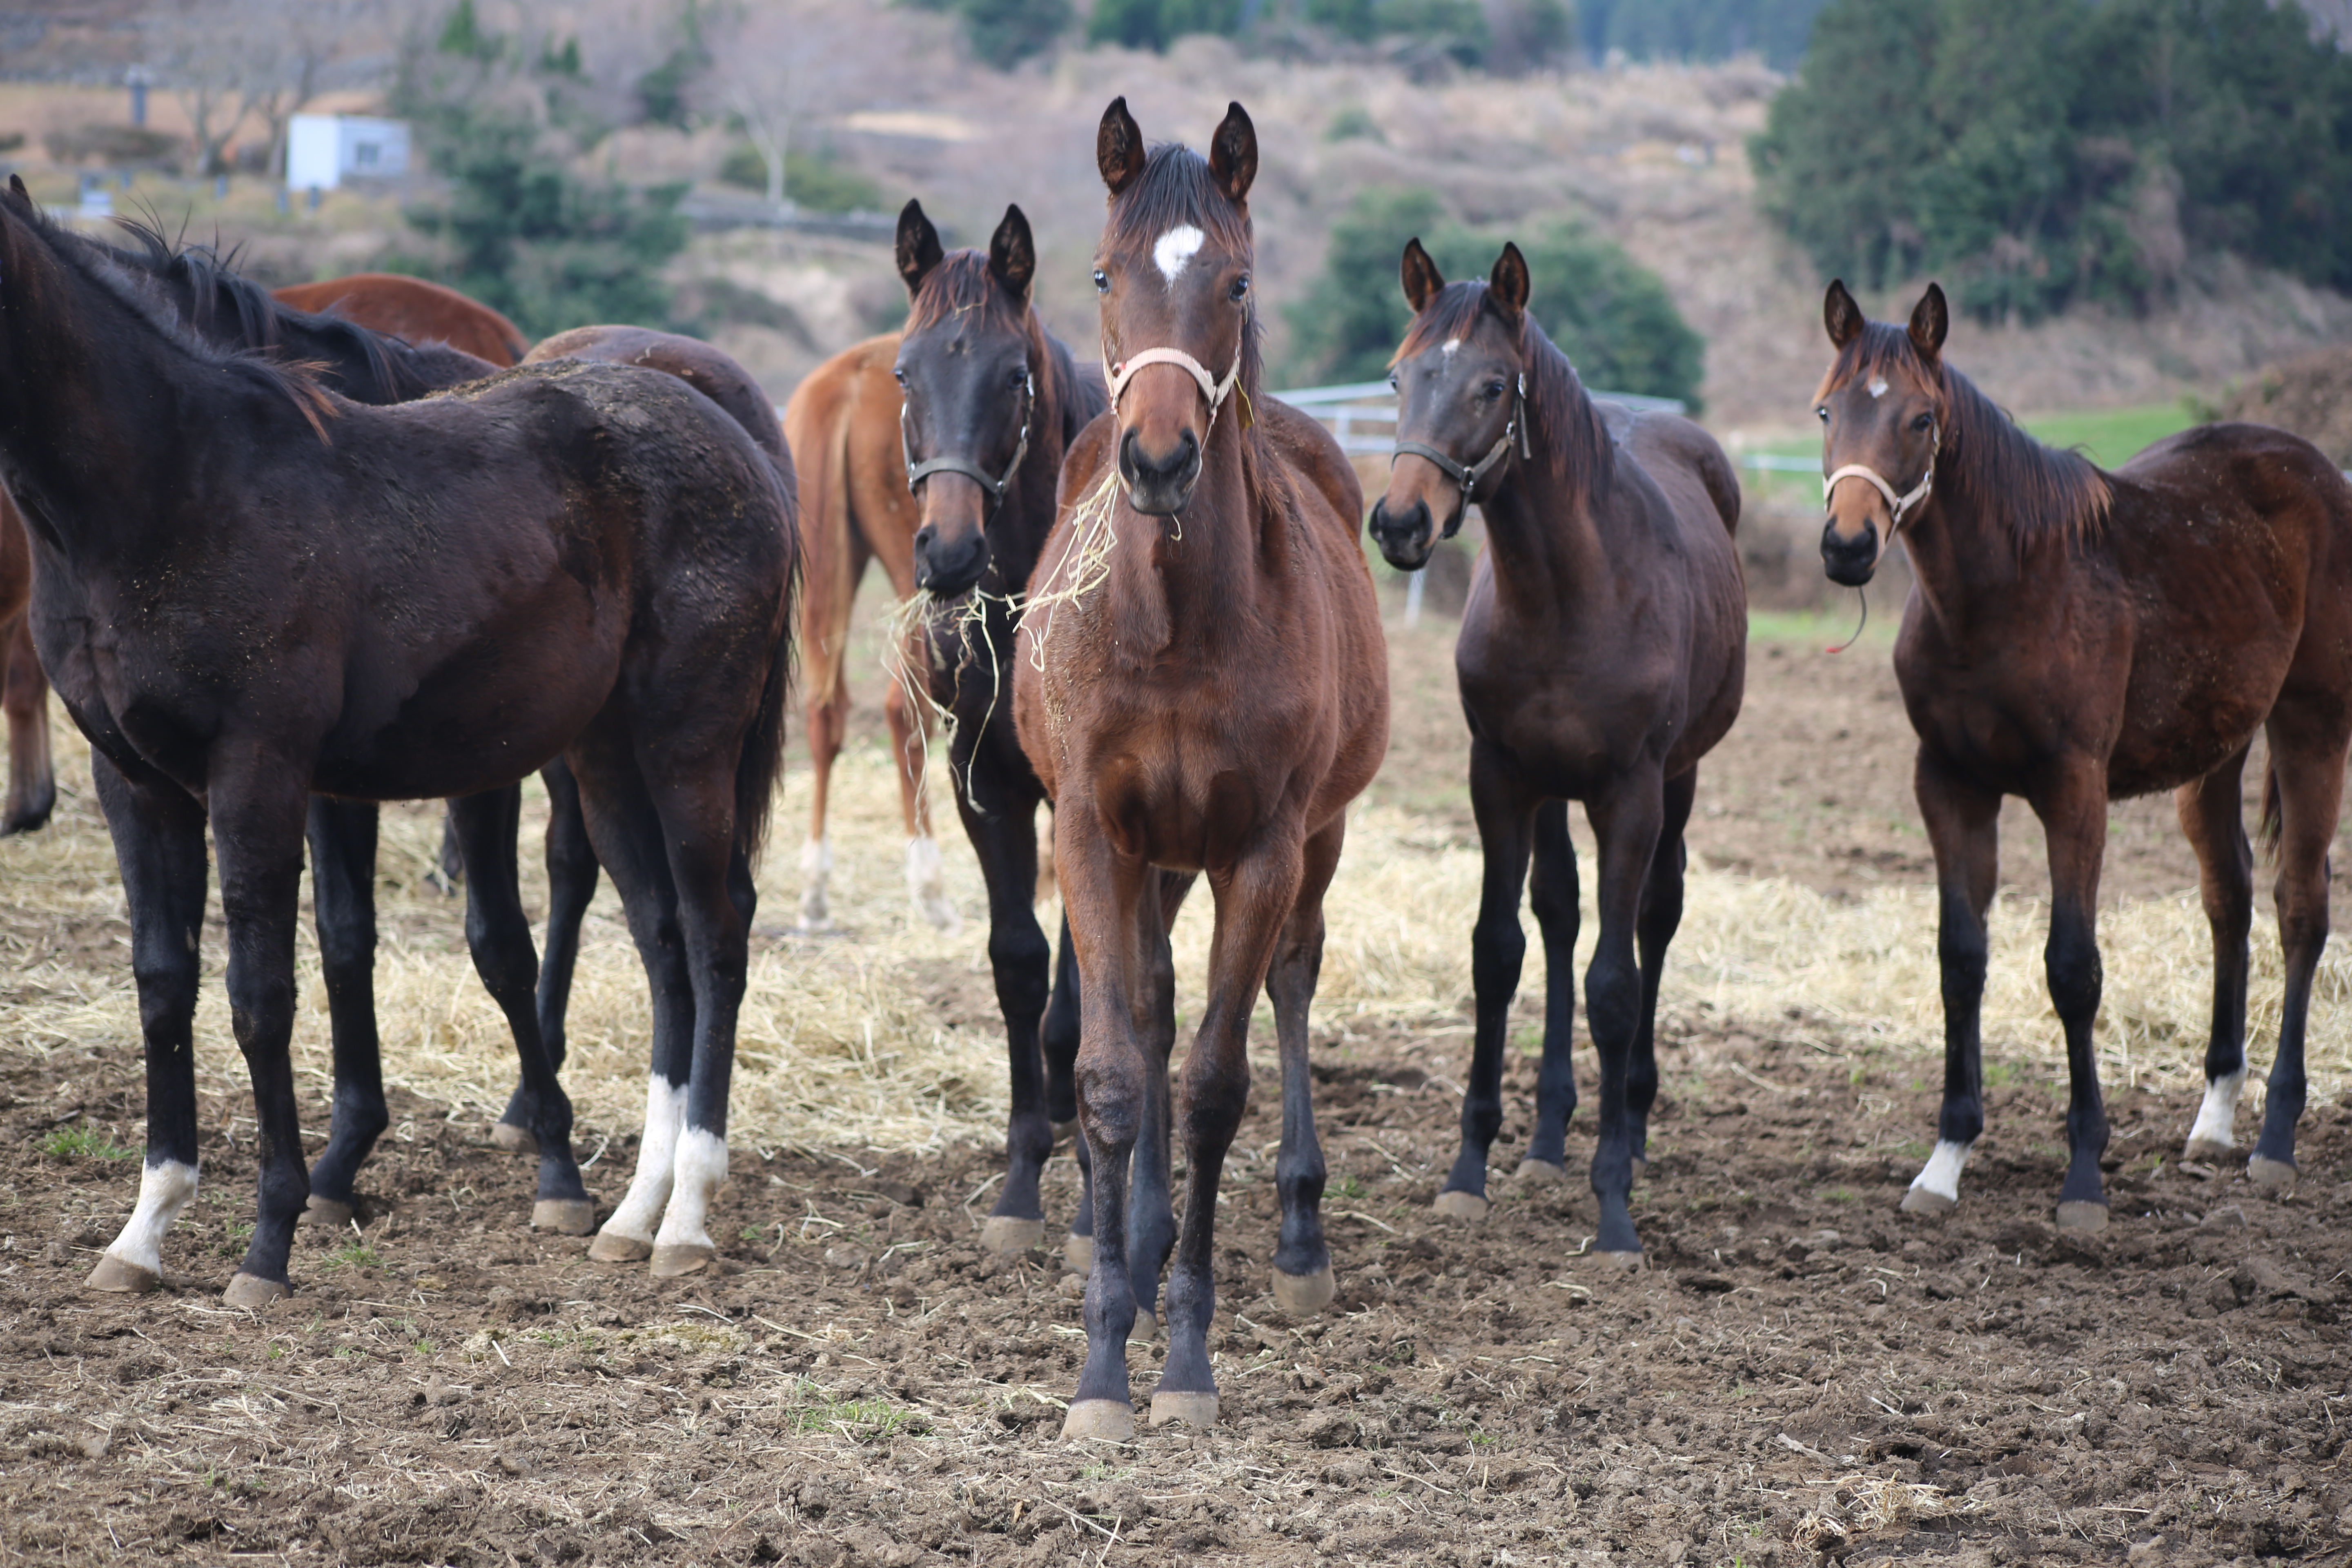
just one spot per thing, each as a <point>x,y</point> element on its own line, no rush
<point>114,1274</point>
<point>1009,1233</point>
<point>1615,1262</point>
<point>674,1258</point>
<point>252,1292</point>
<point>1193,1409</point>
<point>325,1213</point>
<point>1100,1421</point>
<point>1078,1254</point>
<point>514,1140</point>
<point>2271,1176</point>
<point>1541,1174</point>
<point>1297,1296</point>
<point>1469,1207</point>
<point>1146,1328</point>
<point>612,1247</point>
<point>2084,1218</point>
<point>565,1216</point>
<point>1919,1200</point>
<point>2205,1150</point>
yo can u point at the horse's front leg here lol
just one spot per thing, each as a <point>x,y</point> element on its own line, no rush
<point>2073,811</point>
<point>1505,811</point>
<point>1102,891</point>
<point>1552,894</point>
<point>1303,1281</point>
<point>342,835</point>
<point>259,802</point>
<point>1964,831</point>
<point>1059,1038</point>
<point>1000,817</point>
<point>1662,915</point>
<point>1256,897</point>
<point>2213,815</point>
<point>1150,1206</point>
<point>1626,820</point>
<point>2308,760</point>
<point>159,845</point>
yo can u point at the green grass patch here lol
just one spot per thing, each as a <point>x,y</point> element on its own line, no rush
<point>1812,630</point>
<point>1346,1189</point>
<point>357,1255</point>
<point>861,1420</point>
<point>83,1142</point>
<point>2109,436</point>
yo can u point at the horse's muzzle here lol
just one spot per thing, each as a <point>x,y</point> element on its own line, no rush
<point>949,567</point>
<point>1406,537</point>
<point>1160,485</point>
<point>1850,562</point>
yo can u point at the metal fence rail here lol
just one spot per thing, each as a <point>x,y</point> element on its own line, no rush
<point>1362,413</point>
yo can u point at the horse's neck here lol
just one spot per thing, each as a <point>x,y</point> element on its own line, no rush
<point>1962,558</point>
<point>1213,567</point>
<point>1547,542</point>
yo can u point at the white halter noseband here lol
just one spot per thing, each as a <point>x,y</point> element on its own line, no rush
<point>1902,503</point>
<point>1214,390</point>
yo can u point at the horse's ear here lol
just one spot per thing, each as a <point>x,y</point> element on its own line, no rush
<point>918,247</point>
<point>1930,319</point>
<point>1506,286</point>
<point>1012,254</point>
<point>1841,315</point>
<point>16,189</point>
<point>1420,277</point>
<point>1119,147</point>
<point>1233,155</point>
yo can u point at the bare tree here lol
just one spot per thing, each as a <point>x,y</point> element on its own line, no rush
<point>778,64</point>
<point>227,59</point>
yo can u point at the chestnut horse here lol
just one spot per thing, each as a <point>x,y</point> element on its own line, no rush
<point>2076,637</point>
<point>842,424</point>
<point>416,311</point>
<point>1203,687</point>
<point>992,403</point>
<point>1603,652</point>
<point>248,591</point>
<point>24,689</point>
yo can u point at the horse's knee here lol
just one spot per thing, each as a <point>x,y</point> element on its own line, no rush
<point>1497,948</point>
<point>1613,998</point>
<point>1216,1092</point>
<point>2071,964</point>
<point>1022,961</point>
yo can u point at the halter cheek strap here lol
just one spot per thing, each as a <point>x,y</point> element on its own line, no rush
<point>993,484</point>
<point>1467,475</point>
<point>1901,504</point>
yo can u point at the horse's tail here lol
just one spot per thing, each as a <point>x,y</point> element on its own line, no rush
<point>817,432</point>
<point>2273,820</point>
<point>762,762</point>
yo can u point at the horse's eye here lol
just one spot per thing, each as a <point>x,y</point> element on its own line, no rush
<point>1240,289</point>
<point>1018,378</point>
<point>1924,423</point>
<point>1102,281</point>
<point>898,375</point>
<point>1495,389</point>
<point>1824,412</point>
<point>1392,382</point>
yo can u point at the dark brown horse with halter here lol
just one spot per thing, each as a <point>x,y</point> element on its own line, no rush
<point>2076,636</point>
<point>1602,654</point>
<point>1203,687</point>
<point>274,592</point>
<point>842,424</point>
<point>992,402</point>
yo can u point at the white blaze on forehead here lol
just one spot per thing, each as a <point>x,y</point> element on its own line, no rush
<point>1173,250</point>
<point>1451,346</point>
<point>1877,386</point>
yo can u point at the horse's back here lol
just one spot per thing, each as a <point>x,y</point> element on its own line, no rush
<point>1688,464</point>
<point>416,311</point>
<point>708,371</point>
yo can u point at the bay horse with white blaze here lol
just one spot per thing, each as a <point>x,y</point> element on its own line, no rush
<point>1603,652</point>
<point>1203,687</point>
<point>2076,637</point>
<point>992,402</point>
<point>249,591</point>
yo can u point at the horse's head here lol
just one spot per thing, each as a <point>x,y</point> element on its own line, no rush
<point>968,363</point>
<point>1461,384</point>
<point>1883,413</point>
<point>1173,271</point>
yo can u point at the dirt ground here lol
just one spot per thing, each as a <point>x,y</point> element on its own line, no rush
<point>1801,1373</point>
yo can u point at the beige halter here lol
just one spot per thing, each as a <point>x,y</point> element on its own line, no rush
<point>1902,503</point>
<point>1214,390</point>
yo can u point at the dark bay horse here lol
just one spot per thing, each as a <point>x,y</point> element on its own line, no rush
<point>249,591</point>
<point>2076,636</point>
<point>842,424</point>
<point>1602,654</point>
<point>992,402</point>
<point>1203,687</point>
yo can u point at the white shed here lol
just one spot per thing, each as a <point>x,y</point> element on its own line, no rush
<point>324,149</point>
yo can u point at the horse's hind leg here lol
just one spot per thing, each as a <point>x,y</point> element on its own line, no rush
<point>828,722</point>
<point>628,839</point>
<point>2309,769</point>
<point>1552,894</point>
<point>342,899</point>
<point>571,875</point>
<point>1497,946</point>
<point>910,719</point>
<point>2213,815</point>
<point>1662,915</point>
<point>2073,812</point>
<point>32,776</point>
<point>499,933</point>
<point>159,843</point>
<point>1303,1282</point>
<point>1963,830</point>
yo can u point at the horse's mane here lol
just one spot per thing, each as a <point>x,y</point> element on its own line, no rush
<point>2040,492</point>
<point>102,267</point>
<point>227,308</point>
<point>1565,431</point>
<point>1176,187</point>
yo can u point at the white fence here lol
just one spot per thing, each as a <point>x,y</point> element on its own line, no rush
<point>1362,413</point>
